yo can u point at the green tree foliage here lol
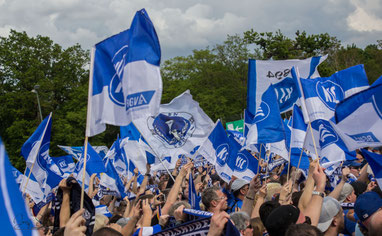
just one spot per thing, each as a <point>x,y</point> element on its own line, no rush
<point>62,75</point>
<point>216,77</point>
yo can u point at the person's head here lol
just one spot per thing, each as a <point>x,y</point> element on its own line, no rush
<point>359,187</point>
<point>176,205</point>
<point>106,231</point>
<point>100,221</point>
<point>331,217</point>
<point>347,194</point>
<point>242,222</point>
<point>375,225</point>
<point>211,197</point>
<point>355,168</point>
<point>114,219</point>
<point>303,230</point>
<point>366,206</point>
<point>240,188</point>
<point>257,226</point>
<point>272,190</point>
<point>281,218</point>
<point>296,197</point>
<point>266,208</point>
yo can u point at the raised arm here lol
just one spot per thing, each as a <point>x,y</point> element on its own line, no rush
<point>254,187</point>
<point>65,206</point>
<point>173,194</point>
<point>145,180</point>
<point>337,190</point>
<point>309,186</point>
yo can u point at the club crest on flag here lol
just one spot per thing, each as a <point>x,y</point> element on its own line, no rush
<point>329,93</point>
<point>327,134</point>
<point>62,164</point>
<point>173,129</point>
<point>241,163</point>
<point>285,93</point>
<point>44,152</point>
<point>222,152</point>
<point>262,112</point>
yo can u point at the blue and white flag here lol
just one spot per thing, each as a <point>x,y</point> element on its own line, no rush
<point>125,81</point>
<point>267,125</point>
<point>375,163</point>
<point>177,130</point>
<point>298,129</point>
<point>216,150</point>
<point>193,197</point>
<point>243,163</point>
<point>329,144</point>
<point>94,165</point>
<point>15,217</point>
<point>111,181</point>
<point>36,153</point>
<point>76,152</point>
<point>322,94</point>
<point>32,188</point>
<point>359,118</point>
<point>239,137</point>
<point>136,148</point>
<point>65,163</point>
<point>277,72</point>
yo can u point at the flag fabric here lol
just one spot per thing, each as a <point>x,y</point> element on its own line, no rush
<point>359,118</point>
<point>15,218</point>
<point>76,152</point>
<point>215,149</point>
<point>266,126</point>
<point>136,148</point>
<point>239,137</point>
<point>243,163</point>
<point>125,81</point>
<point>94,165</point>
<point>36,153</point>
<point>177,130</point>
<point>329,144</point>
<point>32,188</point>
<point>111,181</point>
<point>375,163</point>
<point>322,94</point>
<point>277,72</point>
<point>298,129</point>
<point>65,163</point>
<point>193,197</point>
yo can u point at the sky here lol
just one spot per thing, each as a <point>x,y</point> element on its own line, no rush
<point>192,24</point>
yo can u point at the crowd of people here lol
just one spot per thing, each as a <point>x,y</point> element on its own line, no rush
<point>273,203</point>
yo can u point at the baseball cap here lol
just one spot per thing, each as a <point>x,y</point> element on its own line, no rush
<point>330,208</point>
<point>347,189</point>
<point>238,184</point>
<point>352,163</point>
<point>367,204</point>
<point>281,218</point>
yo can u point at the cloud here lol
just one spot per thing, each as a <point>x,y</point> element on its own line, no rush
<point>363,19</point>
<point>186,25</point>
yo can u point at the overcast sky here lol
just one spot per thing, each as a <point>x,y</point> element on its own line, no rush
<point>186,25</point>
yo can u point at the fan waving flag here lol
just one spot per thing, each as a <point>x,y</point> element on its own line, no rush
<point>277,72</point>
<point>125,81</point>
<point>322,94</point>
<point>15,219</point>
<point>36,152</point>
<point>359,118</point>
<point>177,130</point>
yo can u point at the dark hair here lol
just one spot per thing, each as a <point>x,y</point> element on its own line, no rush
<point>296,198</point>
<point>266,208</point>
<point>303,230</point>
<point>114,218</point>
<point>106,231</point>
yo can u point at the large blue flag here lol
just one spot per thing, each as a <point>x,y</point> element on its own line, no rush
<point>36,152</point>
<point>76,152</point>
<point>359,118</point>
<point>216,150</point>
<point>15,219</point>
<point>65,163</point>
<point>267,125</point>
<point>277,72</point>
<point>322,94</point>
<point>125,81</point>
<point>375,163</point>
<point>193,197</point>
<point>94,165</point>
<point>111,181</point>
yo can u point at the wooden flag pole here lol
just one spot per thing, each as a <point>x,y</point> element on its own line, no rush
<point>314,142</point>
<point>84,172</point>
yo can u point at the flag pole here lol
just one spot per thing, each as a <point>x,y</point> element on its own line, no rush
<point>160,158</point>
<point>314,142</point>
<point>38,151</point>
<point>87,129</point>
<point>84,172</point>
<point>258,163</point>
<point>298,167</point>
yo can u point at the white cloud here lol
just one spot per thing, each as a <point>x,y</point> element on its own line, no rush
<point>363,19</point>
